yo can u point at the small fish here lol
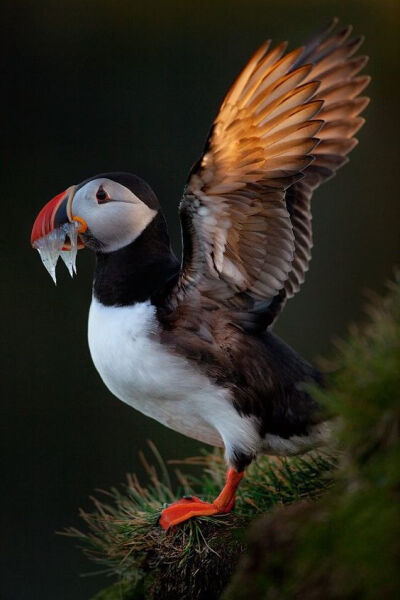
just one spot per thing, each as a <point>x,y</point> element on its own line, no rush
<point>50,247</point>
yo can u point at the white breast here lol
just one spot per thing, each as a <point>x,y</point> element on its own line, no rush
<point>139,370</point>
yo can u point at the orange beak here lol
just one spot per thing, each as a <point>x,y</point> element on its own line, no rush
<point>54,214</point>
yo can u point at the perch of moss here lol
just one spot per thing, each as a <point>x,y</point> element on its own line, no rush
<point>198,558</point>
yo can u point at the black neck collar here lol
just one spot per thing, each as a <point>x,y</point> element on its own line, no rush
<point>144,270</point>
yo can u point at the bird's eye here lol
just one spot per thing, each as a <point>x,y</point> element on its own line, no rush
<point>102,196</point>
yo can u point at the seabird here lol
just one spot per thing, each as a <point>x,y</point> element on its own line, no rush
<point>190,343</point>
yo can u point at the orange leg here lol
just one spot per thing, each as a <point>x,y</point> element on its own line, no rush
<point>184,509</point>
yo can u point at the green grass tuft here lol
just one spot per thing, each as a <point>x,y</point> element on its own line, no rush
<point>123,538</point>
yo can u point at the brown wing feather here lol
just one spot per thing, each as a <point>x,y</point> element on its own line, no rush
<point>340,85</point>
<point>245,213</point>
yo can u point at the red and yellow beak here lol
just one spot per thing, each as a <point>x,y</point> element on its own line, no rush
<point>56,213</point>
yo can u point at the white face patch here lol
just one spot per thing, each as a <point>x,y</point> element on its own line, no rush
<point>116,222</point>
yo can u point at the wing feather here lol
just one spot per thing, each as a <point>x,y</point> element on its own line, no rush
<point>339,89</point>
<point>285,126</point>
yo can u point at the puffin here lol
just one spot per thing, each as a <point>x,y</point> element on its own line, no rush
<point>190,343</point>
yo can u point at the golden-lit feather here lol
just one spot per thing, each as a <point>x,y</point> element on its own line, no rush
<point>285,126</point>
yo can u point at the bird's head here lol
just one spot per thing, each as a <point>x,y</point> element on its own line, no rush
<point>104,213</point>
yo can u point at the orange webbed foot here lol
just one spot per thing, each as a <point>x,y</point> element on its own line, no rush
<point>184,509</point>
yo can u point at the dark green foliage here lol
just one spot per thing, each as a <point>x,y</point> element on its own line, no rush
<point>348,546</point>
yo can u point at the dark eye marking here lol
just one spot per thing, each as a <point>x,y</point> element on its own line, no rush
<point>102,196</point>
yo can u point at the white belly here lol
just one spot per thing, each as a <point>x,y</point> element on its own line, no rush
<point>125,348</point>
<point>139,370</point>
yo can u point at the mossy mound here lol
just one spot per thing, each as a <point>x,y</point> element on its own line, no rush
<point>197,559</point>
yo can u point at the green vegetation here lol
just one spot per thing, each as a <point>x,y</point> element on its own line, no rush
<point>323,527</point>
<point>197,558</point>
<point>348,546</point>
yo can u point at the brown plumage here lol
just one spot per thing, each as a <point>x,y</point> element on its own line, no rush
<point>285,127</point>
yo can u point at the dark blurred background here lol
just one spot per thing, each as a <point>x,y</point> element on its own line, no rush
<point>103,86</point>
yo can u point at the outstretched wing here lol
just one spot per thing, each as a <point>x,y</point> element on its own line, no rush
<point>332,54</point>
<point>284,127</point>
